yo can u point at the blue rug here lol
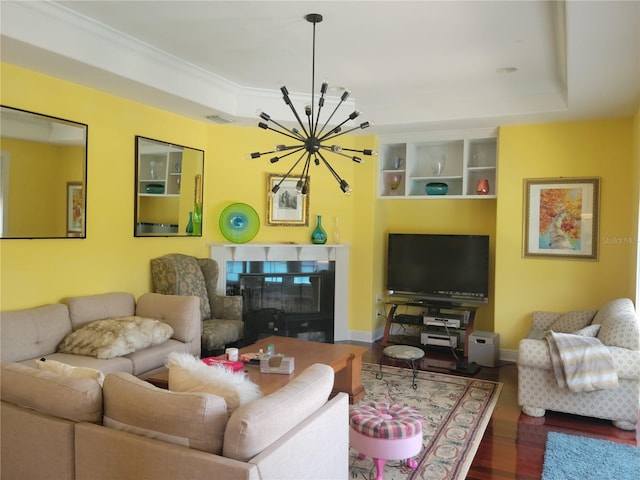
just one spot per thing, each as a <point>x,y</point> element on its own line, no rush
<point>570,457</point>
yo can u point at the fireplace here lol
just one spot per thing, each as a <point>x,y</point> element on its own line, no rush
<point>291,298</point>
<point>309,283</point>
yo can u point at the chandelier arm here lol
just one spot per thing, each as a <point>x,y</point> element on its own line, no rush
<point>328,136</point>
<point>288,101</point>
<point>288,174</point>
<point>307,165</point>
<point>323,90</point>
<point>330,117</point>
<point>365,151</point>
<point>350,157</point>
<point>304,176</point>
<point>286,154</point>
<point>326,163</point>
<point>337,130</point>
<point>287,132</point>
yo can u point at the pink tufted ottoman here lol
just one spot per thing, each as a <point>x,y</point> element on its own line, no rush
<point>385,431</point>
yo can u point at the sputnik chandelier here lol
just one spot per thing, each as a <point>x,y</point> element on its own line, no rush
<point>312,140</point>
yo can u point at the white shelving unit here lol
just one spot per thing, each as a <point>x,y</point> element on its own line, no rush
<point>458,159</point>
<point>159,165</point>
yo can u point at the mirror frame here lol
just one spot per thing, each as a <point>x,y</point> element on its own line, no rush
<point>21,125</point>
<point>163,183</point>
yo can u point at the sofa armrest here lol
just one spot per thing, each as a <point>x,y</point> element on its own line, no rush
<point>534,353</point>
<point>181,312</point>
<point>543,320</point>
<point>227,307</point>
<point>104,454</point>
<point>328,427</point>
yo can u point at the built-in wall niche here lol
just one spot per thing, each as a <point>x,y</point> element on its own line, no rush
<point>43,176</point>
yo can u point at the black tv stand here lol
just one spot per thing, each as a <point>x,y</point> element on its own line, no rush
<point>422,307</point>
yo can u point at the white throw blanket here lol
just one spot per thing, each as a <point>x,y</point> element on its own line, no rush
<point>582,364</point>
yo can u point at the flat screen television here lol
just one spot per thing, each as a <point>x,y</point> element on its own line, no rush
<point>438,267</point>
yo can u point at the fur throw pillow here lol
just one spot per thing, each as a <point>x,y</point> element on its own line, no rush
<point>115,337</point>
<point>189,374</point>
<point>69,370</point>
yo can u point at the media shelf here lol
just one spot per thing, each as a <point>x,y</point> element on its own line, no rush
<point>432,324</point>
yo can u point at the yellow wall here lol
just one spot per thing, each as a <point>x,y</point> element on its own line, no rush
<point>38,167</point>
<point>34,272</point>
<point>578,149</point>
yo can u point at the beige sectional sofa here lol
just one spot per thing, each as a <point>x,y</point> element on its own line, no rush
<point>55,426</point>
<point>30,334</point>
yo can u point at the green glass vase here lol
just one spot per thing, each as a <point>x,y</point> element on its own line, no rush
<point>189,229</point>
<point>319,236</point>
<point>197,220</point>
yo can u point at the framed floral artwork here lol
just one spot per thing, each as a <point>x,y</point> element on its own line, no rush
<point>561,218</point>
<point>75,209</point>
<point>287,207</point>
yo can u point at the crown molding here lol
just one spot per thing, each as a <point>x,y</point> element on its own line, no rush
<point>79,43</point>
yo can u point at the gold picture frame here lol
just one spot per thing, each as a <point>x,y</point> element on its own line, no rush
<point>287,207</point>
<point>561,217</point>
<point>75,209</point>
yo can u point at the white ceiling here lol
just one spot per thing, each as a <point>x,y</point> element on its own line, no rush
<point>410,65</point>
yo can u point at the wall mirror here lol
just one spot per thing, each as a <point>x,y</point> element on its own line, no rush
<point>168,189</point>
<point>43,175</point>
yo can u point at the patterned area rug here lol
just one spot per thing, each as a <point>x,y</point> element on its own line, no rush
<point>456,412</point>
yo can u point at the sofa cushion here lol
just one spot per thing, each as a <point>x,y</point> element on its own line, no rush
<point>256,425</point>
<point>33,332</point>
<point>572,321</point>
<point>189,374</point>
<point>115,337</point>
<point>194,420</point>
<point>619,325</point>
<point>181,312</point>
<point>118,364</point>
<point>69,370</point>
<point>76,399</point>
<point>88,308</point>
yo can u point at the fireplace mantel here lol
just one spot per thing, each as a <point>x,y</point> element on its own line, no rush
<point>229,252</point>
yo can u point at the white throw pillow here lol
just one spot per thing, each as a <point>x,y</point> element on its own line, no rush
<point>588,331</point>
<point>69,370</point>
<point>115,337</point>
<point>571,321</point>
<point>189,374</point>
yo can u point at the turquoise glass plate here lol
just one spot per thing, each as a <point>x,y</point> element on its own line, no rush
<point>239,223</point>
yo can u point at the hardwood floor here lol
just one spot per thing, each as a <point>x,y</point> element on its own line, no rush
<point>513,444</point>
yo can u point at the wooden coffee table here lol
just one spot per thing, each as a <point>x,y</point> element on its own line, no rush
<point>346,361</point>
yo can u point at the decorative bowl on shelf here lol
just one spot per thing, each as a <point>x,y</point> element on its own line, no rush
<point>436,188</point>
<point>154,188</point>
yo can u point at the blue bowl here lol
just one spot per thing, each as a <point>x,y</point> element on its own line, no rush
<point>436,188</point>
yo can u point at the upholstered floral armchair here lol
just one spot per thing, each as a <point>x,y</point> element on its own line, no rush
<point>177,274</point>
